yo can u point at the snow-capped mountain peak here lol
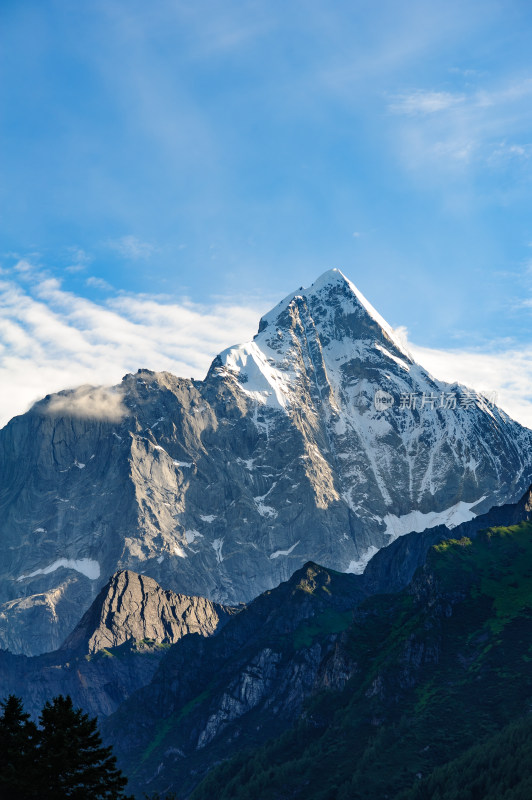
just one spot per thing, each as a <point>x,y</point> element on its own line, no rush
<point>337,296</point>
<point>318,440</point>
<point>330,322</point>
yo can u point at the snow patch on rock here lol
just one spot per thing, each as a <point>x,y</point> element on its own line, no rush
<point>358,567</point>
<point>418,521</point>
<point>217,547</point>
<point>263,509</point>
<point>257,376</point>
<point>87,567</point>
<point>284,552</point>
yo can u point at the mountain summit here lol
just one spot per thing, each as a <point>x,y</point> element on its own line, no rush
<point>319,440</point>
<point>316,325</point>
<point>134,608</point>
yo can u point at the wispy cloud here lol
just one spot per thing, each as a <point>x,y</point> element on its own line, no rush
<point>480,125</point>
<point>24,267</point>
<point>132,247</point>
<point>51,339</point>
<point>79,260</point>
<point>424,102</point>
<point>429,101</point>
<point>89,402</point>
<point>504,150</point>
<point>98,283</point>
<point>508,372</point>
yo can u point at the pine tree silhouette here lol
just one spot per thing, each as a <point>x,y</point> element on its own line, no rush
<point>72,761</point>
<point>18,752</point>
<point>63,758</point>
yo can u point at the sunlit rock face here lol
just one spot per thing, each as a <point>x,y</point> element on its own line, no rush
<point>115,649</point>
<point>321,439</point>
<point>134,608</point>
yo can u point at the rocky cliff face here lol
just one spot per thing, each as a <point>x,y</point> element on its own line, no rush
<point>393,567</point>
<point>116,647</point>
<point>316,632</point>
<point>241,686</point>
<point>114,650</point>
<point>133,608</point>
<point>430,671</point>
<point>223,487</point>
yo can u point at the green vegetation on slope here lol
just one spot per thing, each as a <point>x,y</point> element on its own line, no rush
<point>330,621</point>
<point>498,566</point>
<point>441,669</point>
<point>500,768</point>
<point>161,723</point>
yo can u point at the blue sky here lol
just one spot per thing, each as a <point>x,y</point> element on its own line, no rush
<point>208,156</point>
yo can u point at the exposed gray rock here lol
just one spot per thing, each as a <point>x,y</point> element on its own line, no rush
<point>244,684</point>
<point>98,683</point>
<point>134,608</point>
<point>393,567</point>
<point>336,669</point>
<point>114,650</point>
<point>243,693</point>
<point>223,487</point>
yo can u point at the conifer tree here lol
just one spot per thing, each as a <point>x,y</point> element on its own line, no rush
<point>18,752</point>
<point>72,761</point>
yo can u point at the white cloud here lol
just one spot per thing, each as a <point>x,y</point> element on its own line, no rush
<point>508,373</point>
<point>89,402</point>
<point>424,102</point>
<point>482,126</point>
<point>80,260</point>
<point>98,283</point>
<point>131,247</point>
<point>24,267</point>
<point>506,150</point>
<point>51,339</point>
